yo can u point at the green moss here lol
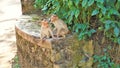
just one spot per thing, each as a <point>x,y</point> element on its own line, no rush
<point>77,52</point>
<point>15,64</point>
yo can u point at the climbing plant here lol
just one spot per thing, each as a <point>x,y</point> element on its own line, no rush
<point>86,18</point>
<point>79,13</point>
<point>104,61</point>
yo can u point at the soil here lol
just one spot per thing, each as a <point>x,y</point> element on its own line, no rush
<point>10,10</point>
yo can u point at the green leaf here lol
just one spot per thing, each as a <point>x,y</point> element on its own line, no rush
<point>116,31</point>
<point>104,58</point>
<point>45,8</point>
<point>84,26</point>
<point>90,2</point>
<point>92,31</point>
<point>71,16</point>
<point>76,2</point>
<point>114,11</point>
<point>107,25</point>
<point>77,12</point>
<point>113,24</point>
<point>35,6</point>
<point>100,5</point>
<point>104,11</point>
<point>118,5</point>
<point>70,3</point>
<point>100,28</point>
<point>119,40</point>
<point>100,15</point>
<point>57,8</point>
<point>56,3</point>
<point>84,2</point>
<point>77,27</point>
<point>108,22</point>
<point>95,12</point>
<point>101,1</point>
<point>81,36</point>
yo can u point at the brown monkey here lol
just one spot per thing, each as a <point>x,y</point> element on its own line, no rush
<point>60,26</point>
<point>45,31</point>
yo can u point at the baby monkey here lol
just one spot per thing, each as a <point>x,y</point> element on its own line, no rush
<point>45,31</point>
<point>60,27</point>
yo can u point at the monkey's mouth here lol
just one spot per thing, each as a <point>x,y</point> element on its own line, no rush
<point>55,35</point>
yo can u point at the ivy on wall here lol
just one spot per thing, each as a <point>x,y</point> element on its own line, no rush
<point>79,13</point>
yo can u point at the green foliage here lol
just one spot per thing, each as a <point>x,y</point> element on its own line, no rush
<point>112,30</point>
<point>15,64</point>
<point>83,29</point>
<point>40,3</point>
<point>79,13</point>
<point>95,12</point>
<point>104,61</point>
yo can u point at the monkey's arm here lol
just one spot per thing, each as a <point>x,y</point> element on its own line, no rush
<point>58,32</point>
<point>54,29</point>
<point>41,36</point>
<point>51,33</point>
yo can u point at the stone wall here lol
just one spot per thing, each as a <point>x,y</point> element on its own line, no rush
<point>27,6</point>
<point>66,52</point>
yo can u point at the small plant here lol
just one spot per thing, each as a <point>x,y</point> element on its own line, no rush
<point>84,30</point>
<point>15,63</point>
<point>112,30</point>
<point>104,61</point>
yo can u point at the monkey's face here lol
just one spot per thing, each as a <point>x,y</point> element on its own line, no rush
<point>53,18</point>
<point>44,23</point>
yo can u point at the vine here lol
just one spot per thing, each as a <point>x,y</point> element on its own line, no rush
<point>86,17</point>
<point>104,61</point>
<point>78,14</point>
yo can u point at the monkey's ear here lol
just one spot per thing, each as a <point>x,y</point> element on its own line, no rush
<point>53,15</point>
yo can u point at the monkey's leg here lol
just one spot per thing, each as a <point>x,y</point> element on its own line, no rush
<point>47,36</point>
<point>58,32</point>
<point>63,36</point>
<point>55,29</point>
<point>41,36</point>
<point>51,33</point>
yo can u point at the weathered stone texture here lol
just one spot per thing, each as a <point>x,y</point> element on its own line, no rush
<point>31,55</point>
<point>27,6</point>
<point>66,52</point>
